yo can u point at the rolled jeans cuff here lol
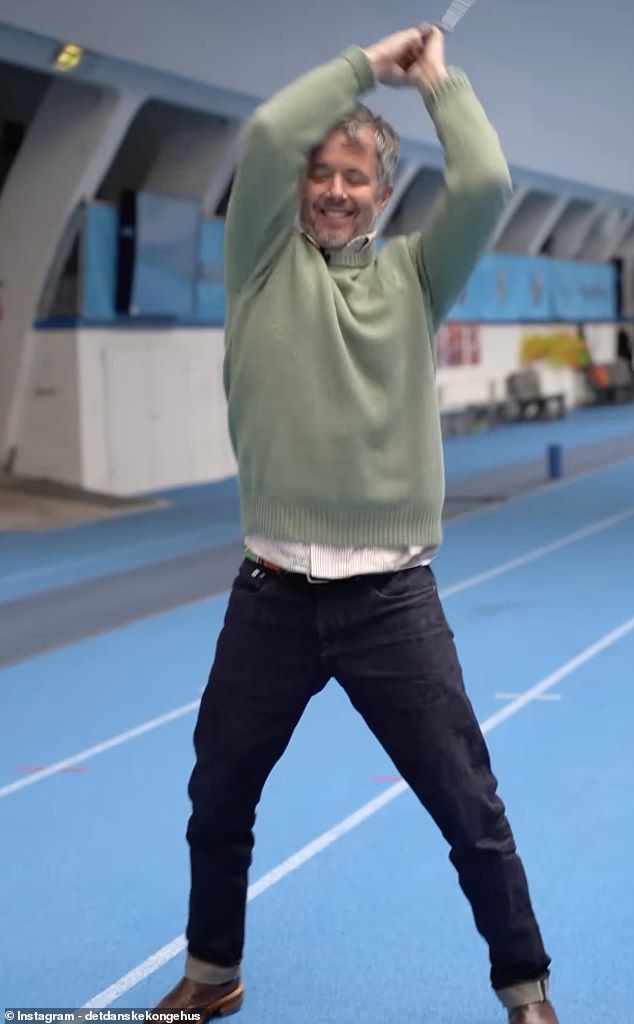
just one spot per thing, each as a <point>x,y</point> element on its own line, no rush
<point>209,974</point>
<point>523,993</point>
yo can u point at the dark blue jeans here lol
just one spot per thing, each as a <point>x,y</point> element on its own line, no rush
<point>386,640</point>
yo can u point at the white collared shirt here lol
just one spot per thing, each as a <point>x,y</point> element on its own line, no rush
<point>331,562</point>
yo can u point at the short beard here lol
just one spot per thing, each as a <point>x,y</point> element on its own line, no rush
<point>328,241</point>
<point>323,240</point>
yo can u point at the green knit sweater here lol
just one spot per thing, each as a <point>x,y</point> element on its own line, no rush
<point>329,364</point>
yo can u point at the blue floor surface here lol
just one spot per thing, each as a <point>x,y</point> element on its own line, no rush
<point>523,442</point>
<point>196,517</point>
<point>374,928</point>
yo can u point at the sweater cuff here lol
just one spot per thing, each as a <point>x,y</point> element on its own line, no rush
<point>362,67</point>
<point>455,82</point>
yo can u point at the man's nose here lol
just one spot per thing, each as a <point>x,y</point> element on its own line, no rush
<point>337,186</point>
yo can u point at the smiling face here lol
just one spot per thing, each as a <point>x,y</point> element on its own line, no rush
<point>340,195</point>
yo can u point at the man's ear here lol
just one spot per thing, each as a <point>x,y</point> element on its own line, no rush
<point>385,198</point>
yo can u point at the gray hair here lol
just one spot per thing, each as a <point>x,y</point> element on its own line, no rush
<point>385,136</point>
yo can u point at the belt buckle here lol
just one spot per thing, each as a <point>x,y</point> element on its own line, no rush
<point>316,579</point>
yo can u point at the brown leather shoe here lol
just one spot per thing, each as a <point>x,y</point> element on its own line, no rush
<point>533,1013</point>
<point>208,1000</point>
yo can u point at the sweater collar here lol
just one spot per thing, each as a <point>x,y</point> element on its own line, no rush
<point>359,252</point>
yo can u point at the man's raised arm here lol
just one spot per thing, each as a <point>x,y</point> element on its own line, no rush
<point>477,181</point>
<point>279,139</point>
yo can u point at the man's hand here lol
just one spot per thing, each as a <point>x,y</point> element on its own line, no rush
<point>429,66</point>
<point>393,56</point>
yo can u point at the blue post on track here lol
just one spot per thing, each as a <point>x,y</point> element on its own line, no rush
<point>555,462</point>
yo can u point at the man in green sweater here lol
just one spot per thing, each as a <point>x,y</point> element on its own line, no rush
<point>329,376</point>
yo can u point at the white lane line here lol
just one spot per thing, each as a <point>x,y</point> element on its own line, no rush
<point>158,545</point>
<point>456,588</point>
<point>100,748</point>
<point>544,488</point>
<point>47,570</point>
<point>537,691</point>
<point>267,881</point>
<point>512,696</point>
<point>540,552</point>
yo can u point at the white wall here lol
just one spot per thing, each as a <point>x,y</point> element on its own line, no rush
<point>151,412</point>
<point>127,412</point>
<point>557,78</point>
<point>50,444</point>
